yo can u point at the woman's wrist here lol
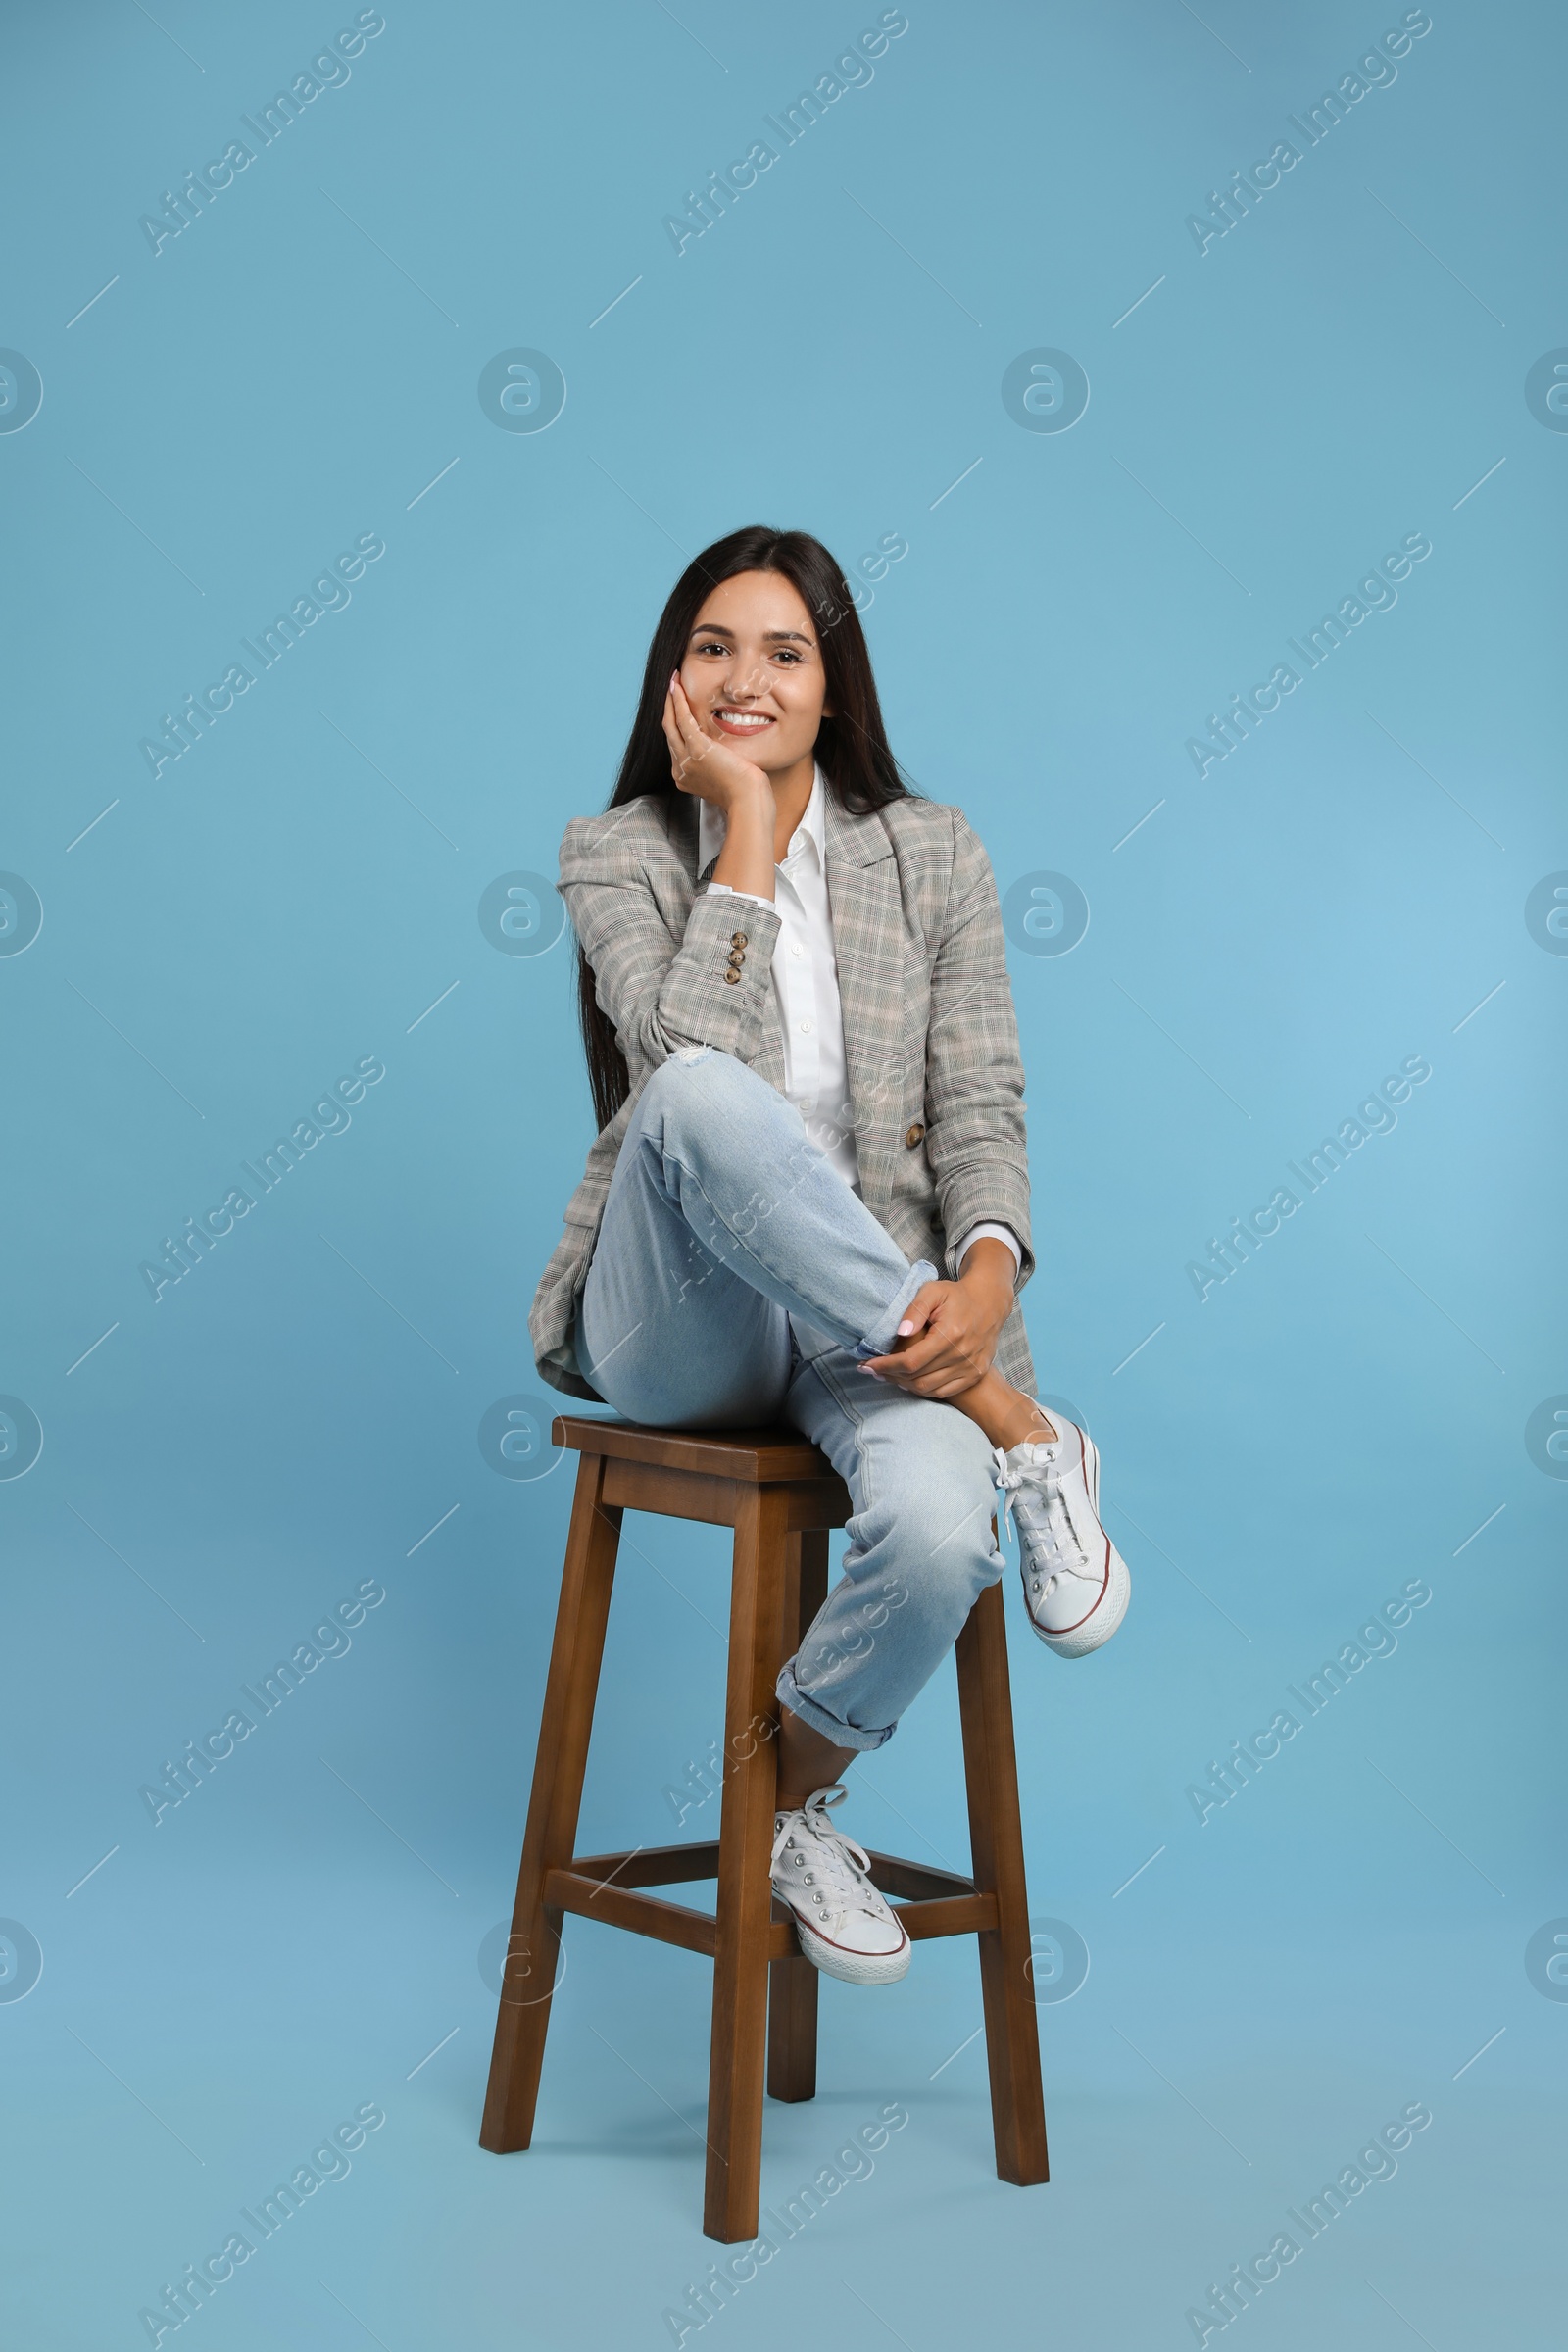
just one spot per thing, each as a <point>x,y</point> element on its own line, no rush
<point>746,860</point>
<point>989,1266</point>
<point>989,1287</point>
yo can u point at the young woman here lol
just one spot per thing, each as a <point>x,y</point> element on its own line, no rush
<point>804,1063</point>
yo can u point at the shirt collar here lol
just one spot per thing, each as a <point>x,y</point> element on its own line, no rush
<point>812,827</point>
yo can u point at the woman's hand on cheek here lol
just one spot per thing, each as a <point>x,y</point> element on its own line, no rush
<point>707,769</point>
<point>687,745</point>
<point>947,1339</point>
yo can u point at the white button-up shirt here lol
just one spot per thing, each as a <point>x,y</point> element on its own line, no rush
<point>805,990</point>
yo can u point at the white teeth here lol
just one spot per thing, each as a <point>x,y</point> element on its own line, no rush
<point>742,718</point>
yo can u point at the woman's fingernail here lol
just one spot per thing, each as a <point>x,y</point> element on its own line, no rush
<point>905,1330</point>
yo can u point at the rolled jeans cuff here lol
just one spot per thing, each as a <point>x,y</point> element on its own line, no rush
<point>842,1735</point>
<point>879,1341</point>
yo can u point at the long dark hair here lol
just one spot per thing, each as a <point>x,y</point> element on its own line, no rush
<point>852,747</point>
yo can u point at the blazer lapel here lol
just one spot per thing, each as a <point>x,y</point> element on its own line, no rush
<point>862,888</point>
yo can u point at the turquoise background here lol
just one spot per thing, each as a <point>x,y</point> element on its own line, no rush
<point>299,367</point>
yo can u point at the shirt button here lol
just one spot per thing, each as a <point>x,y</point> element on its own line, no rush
<point>807,1028</point>
<point>796,947</point>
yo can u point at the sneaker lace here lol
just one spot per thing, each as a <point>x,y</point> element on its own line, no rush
<point>831,1865</point>
<point>1034,1504</point>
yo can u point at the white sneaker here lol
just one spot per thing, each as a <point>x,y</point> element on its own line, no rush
<point>1075,1581</point>
<point>844,1926</point>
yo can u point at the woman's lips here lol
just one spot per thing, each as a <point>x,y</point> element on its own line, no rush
<point>742,723</point>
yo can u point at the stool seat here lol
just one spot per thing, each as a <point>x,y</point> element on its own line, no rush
<point>763,1456</point>
<point>781,1496</point>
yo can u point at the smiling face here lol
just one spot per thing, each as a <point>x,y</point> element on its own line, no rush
<point>753,670</point>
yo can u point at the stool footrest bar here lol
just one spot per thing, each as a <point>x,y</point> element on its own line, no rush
<point>891,1874</point>
<point>671,1864</point>
<point>642,1914</point>
<point>650,1865</point>
<point>591,1895</point>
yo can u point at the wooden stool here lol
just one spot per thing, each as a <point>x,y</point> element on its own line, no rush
<point>781,1496</point>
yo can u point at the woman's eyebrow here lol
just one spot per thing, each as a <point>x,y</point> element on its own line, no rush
<point>718,628</point>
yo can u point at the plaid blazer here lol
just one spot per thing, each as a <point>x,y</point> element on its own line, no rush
<point>929,1032</point>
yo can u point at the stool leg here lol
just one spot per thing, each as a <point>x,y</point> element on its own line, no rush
<point>995,1840</point>
<point>532,1954</point>
<point>744,1845</point>
<point>792,1981</point>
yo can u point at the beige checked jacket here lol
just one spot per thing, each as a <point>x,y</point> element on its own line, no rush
<point>929,1031</point>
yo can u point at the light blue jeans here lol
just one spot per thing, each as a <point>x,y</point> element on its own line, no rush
<point>738,1279</point>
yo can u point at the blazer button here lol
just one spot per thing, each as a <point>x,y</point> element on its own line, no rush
<point>737,939</point>
<point>737,957</point>
<point>915,1134</point>
<point>730,979</point>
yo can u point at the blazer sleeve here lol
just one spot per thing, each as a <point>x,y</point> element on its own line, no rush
<point>974,1139</point>
<point>663,989</point>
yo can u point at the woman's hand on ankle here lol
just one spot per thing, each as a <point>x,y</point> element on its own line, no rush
<point>948,1339</point>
